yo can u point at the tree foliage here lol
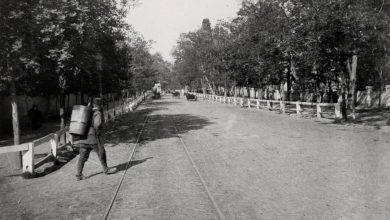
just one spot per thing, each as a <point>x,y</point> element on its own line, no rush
<point>306,43</point>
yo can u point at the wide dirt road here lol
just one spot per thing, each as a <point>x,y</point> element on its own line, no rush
<point>252,164</point>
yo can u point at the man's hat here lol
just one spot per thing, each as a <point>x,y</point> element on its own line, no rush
<point>97,101</point>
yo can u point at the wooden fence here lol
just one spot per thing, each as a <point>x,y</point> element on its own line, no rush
<point>268,104</point>
<point>62,138</point>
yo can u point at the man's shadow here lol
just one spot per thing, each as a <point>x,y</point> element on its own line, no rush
<point>123,166</point>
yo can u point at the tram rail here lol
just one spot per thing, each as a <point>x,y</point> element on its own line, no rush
<point>188,155</point>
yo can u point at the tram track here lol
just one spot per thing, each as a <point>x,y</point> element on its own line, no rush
<point>112,201</point>
<point>175,132</point>
<point>210,196</point>
<point>195,167</point>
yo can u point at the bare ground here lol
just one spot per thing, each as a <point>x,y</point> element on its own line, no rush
<point>257,165</point>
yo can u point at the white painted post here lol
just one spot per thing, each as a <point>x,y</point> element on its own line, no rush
<point>319,111</point>
<point>257,104</point>
<point>298,107</point>
<point>54,144</point>
<point>28,159</point>
<point>249,103</point>
<point>337,110</point>
<point>282,107</point>
<point>70,138</point>
<point>269,105</point>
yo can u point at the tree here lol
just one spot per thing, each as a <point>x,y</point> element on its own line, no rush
<point>17,54</point>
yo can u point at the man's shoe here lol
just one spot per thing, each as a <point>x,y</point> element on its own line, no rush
<point>80,177</point>
<point>109,171</point>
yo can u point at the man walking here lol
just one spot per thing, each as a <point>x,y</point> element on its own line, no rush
<point>92,141</point>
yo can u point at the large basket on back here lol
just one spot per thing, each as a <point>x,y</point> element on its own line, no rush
<point>80,119</point>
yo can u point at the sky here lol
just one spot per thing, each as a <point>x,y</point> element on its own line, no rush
<point>162,21</point>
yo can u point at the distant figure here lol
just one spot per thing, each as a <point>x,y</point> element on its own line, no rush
<point>36,117</point>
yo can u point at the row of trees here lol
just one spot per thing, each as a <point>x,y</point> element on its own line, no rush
<point>300,44</point>
<point>58,47</point>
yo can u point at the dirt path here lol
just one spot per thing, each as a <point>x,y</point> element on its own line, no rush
<point>256,164</point>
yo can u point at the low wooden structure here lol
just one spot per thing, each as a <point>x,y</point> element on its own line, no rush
<point>62,138</point>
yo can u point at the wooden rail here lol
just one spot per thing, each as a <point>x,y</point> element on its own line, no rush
<point>62,137</point>
<point>262,103</point>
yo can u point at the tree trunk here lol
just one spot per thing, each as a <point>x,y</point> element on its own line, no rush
<point>224,89</point>
<point>344,105</point>
<point>380,87</point>
<point>283,98</point>
<point>203,87</point>
<point>352,73</point>
<point>62,109</point>
<point>15,158</point>
<point>56,104</point>
<point>100,85</point>
<point>288,98</point>
<point>48,105</point>
<point>68,105</point>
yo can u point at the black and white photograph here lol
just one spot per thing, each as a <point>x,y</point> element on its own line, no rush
<point>195,109</point>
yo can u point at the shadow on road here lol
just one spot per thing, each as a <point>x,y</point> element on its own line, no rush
<point>51,165</point>
<point>126,130</point>
<point>122,166</point>
<point>158,127</point>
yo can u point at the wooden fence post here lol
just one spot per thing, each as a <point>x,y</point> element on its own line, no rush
<point>319,111</point>
<point>337,110</point>
<point>282,107</point>
<point>54,144</point>
<point>28,159</point>
<point>298,107</point>
<point>269,105</point>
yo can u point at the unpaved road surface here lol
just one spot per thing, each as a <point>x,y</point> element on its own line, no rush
<point>254,164</point>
